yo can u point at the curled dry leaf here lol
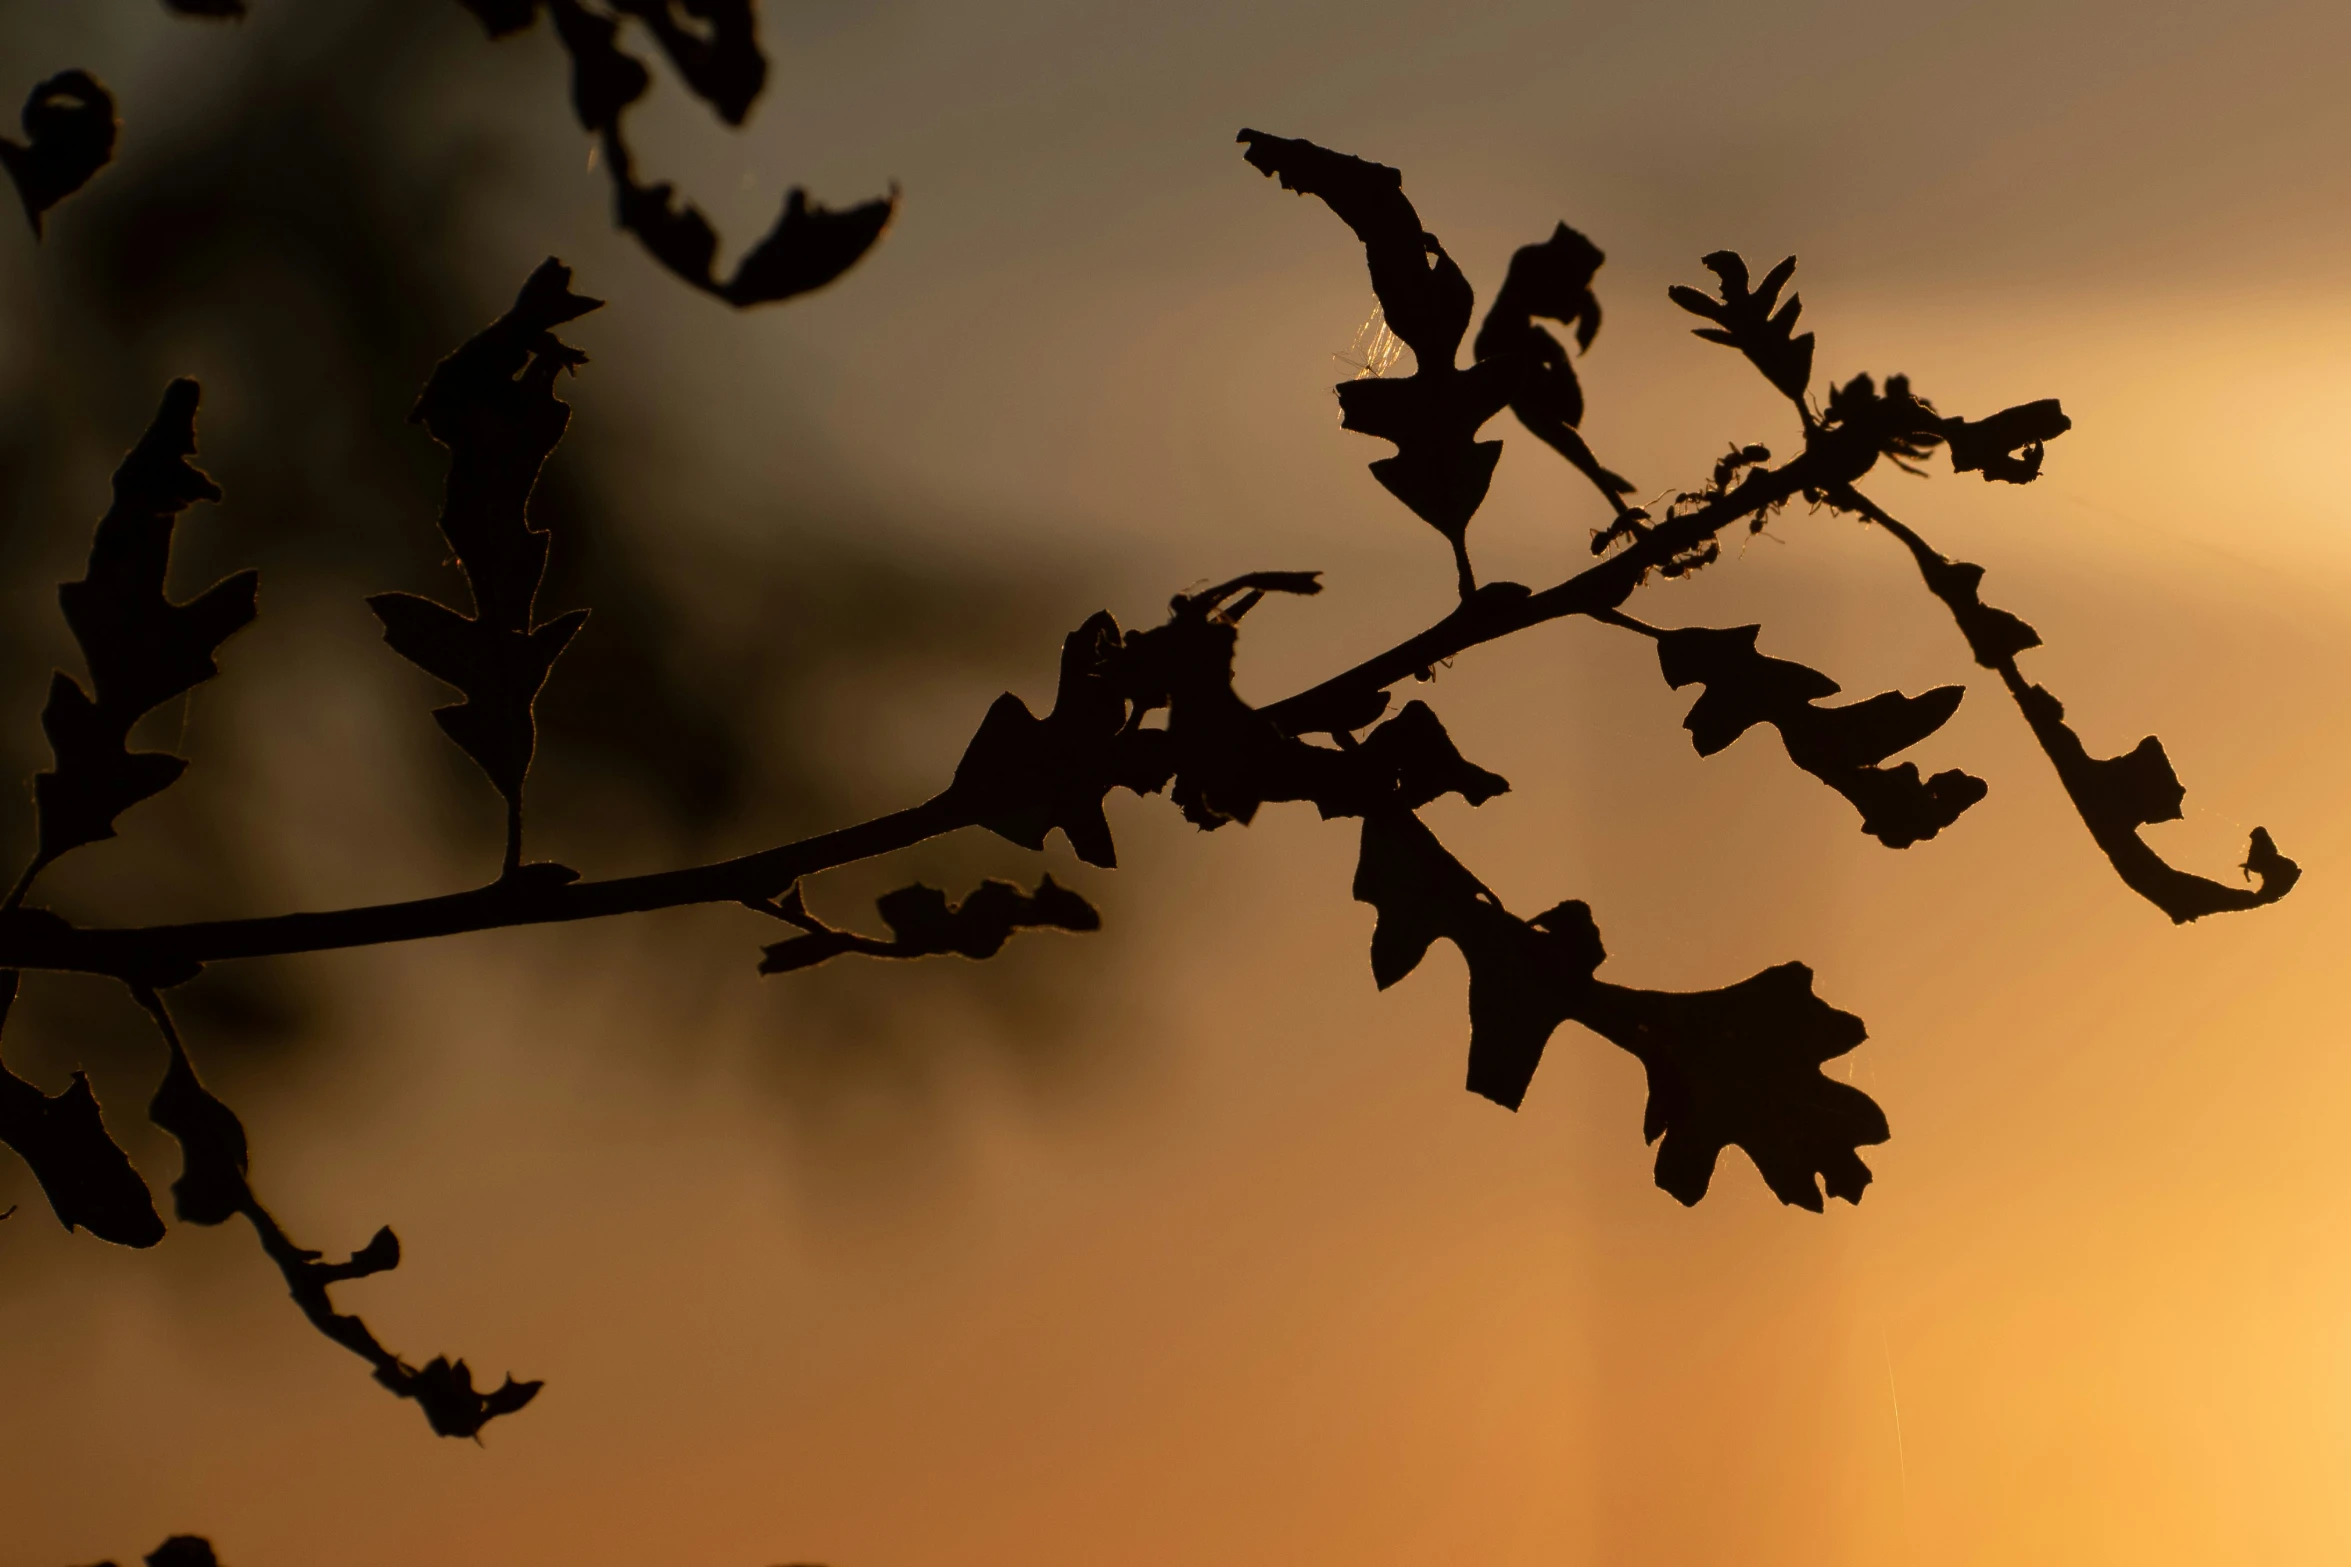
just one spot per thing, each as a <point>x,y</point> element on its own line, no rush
<point>1440,470</point>
<point>714,46</point>
<point>1552,280</point>
<point>69,130</point>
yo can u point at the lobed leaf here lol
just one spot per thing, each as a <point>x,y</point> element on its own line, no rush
<point>492,403</point>
<point>1441,471</point>
<point>141,648</point>
<point>1746,319</point>
<point>1841,746</point>
<point>1740,1065</point>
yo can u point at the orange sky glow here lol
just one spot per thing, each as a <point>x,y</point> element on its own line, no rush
<point>1193,1253</point>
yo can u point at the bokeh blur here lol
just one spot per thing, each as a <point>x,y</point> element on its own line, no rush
<point>1179,1244</point>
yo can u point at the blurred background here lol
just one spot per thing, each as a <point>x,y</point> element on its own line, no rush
<point>1179,1244</point>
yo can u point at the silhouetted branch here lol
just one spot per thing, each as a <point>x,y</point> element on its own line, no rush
<point>212,1189</point>
<point>2115,795</point>
<point>1147,710</point>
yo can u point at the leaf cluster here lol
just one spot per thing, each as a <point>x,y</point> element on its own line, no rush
<point>713,45</point>
<point>1441,470</point>
<point>1152,710</point>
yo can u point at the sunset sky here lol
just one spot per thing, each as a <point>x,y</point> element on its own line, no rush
<point>1182,1246</point>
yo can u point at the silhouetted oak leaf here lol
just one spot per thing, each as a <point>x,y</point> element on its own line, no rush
<point>492,403</point>
<point>1433,415</point>
<point>1440,471</point>
<point>1741,1066</point>
<point>141,648</point>
<point>1419,889</point>
<point>1746,319</point>
<point>1841,746</point>
<point>69,129</point>
<point>500,672</point>
<point>87,1178</point>
<point>1524,975</point>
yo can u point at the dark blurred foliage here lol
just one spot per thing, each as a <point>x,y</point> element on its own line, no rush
<point>307,230</point>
